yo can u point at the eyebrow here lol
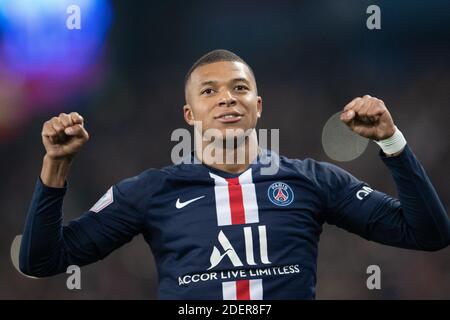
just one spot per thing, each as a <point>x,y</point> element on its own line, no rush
<point>212,82</point>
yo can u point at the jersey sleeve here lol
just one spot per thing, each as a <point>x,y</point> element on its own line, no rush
<point>417,220</point>
<point>48,247</point>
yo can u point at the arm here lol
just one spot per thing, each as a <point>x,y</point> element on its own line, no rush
<point>48,247</point>
<point>418,220</point>
<point>420,205</point>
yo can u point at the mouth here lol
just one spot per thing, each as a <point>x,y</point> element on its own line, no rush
<point>229,117</point>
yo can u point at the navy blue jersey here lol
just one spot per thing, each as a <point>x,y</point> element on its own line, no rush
<point>216,235</point>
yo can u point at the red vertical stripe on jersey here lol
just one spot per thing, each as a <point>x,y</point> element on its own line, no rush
<point>236,201</point>
<point>243,290</point>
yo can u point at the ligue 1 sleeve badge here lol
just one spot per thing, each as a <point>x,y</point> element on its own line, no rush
<point>104,201</point>
<point>280,193</point>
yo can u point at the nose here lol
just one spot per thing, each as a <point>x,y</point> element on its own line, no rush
<point>227,99</point>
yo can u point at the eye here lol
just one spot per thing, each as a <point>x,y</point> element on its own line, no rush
<point>207,91</point>
<point>241,87</point>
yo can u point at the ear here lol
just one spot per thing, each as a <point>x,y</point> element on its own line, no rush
<point>188,114</point>
<point>259,106</point>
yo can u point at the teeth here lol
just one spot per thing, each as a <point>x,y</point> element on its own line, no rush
<point>229,116</point>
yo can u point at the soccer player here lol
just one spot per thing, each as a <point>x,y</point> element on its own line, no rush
<point>221,230</point>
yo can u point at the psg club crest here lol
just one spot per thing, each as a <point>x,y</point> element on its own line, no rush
<point>280,194</point>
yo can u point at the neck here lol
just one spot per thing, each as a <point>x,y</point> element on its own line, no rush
<point>235,158</point>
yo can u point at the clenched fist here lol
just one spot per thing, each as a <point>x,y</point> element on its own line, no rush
<point>368,117</point>
<point>63,136</point>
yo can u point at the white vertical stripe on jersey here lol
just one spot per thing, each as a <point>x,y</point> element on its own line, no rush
<point>249,197</point>
<point>263,244</point>
<point>249,246</point>
<point>229,290</point>
<point>222,201</point>
<point>256,289</point>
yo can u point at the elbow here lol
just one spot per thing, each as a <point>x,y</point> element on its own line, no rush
<point>23,268</point>
<point>435,245</point>
<point>434,239</point>
<point>36,262</point>
<point>26,268</point>
<point>30,268</point>
<point>444,243</point>
<point>33,272</point>
<point>445,239</point>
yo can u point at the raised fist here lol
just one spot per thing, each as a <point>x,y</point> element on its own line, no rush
<point>63,136</point>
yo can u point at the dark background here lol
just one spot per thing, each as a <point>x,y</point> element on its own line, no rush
<point>310,59</point>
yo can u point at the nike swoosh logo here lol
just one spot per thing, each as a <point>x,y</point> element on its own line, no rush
<point>180,205</point>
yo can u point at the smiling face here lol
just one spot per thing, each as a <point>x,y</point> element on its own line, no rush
<point>222,95</point>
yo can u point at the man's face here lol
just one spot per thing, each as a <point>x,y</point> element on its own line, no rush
<point>222,95</point>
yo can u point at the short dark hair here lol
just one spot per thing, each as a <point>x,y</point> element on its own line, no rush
<point>216,56</point>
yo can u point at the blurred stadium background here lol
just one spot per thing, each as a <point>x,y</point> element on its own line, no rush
<point>124,71</point>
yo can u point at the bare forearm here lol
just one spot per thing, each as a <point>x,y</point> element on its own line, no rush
<point>54,172</point>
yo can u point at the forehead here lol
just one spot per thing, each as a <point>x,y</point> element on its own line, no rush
<point>221,71</point>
